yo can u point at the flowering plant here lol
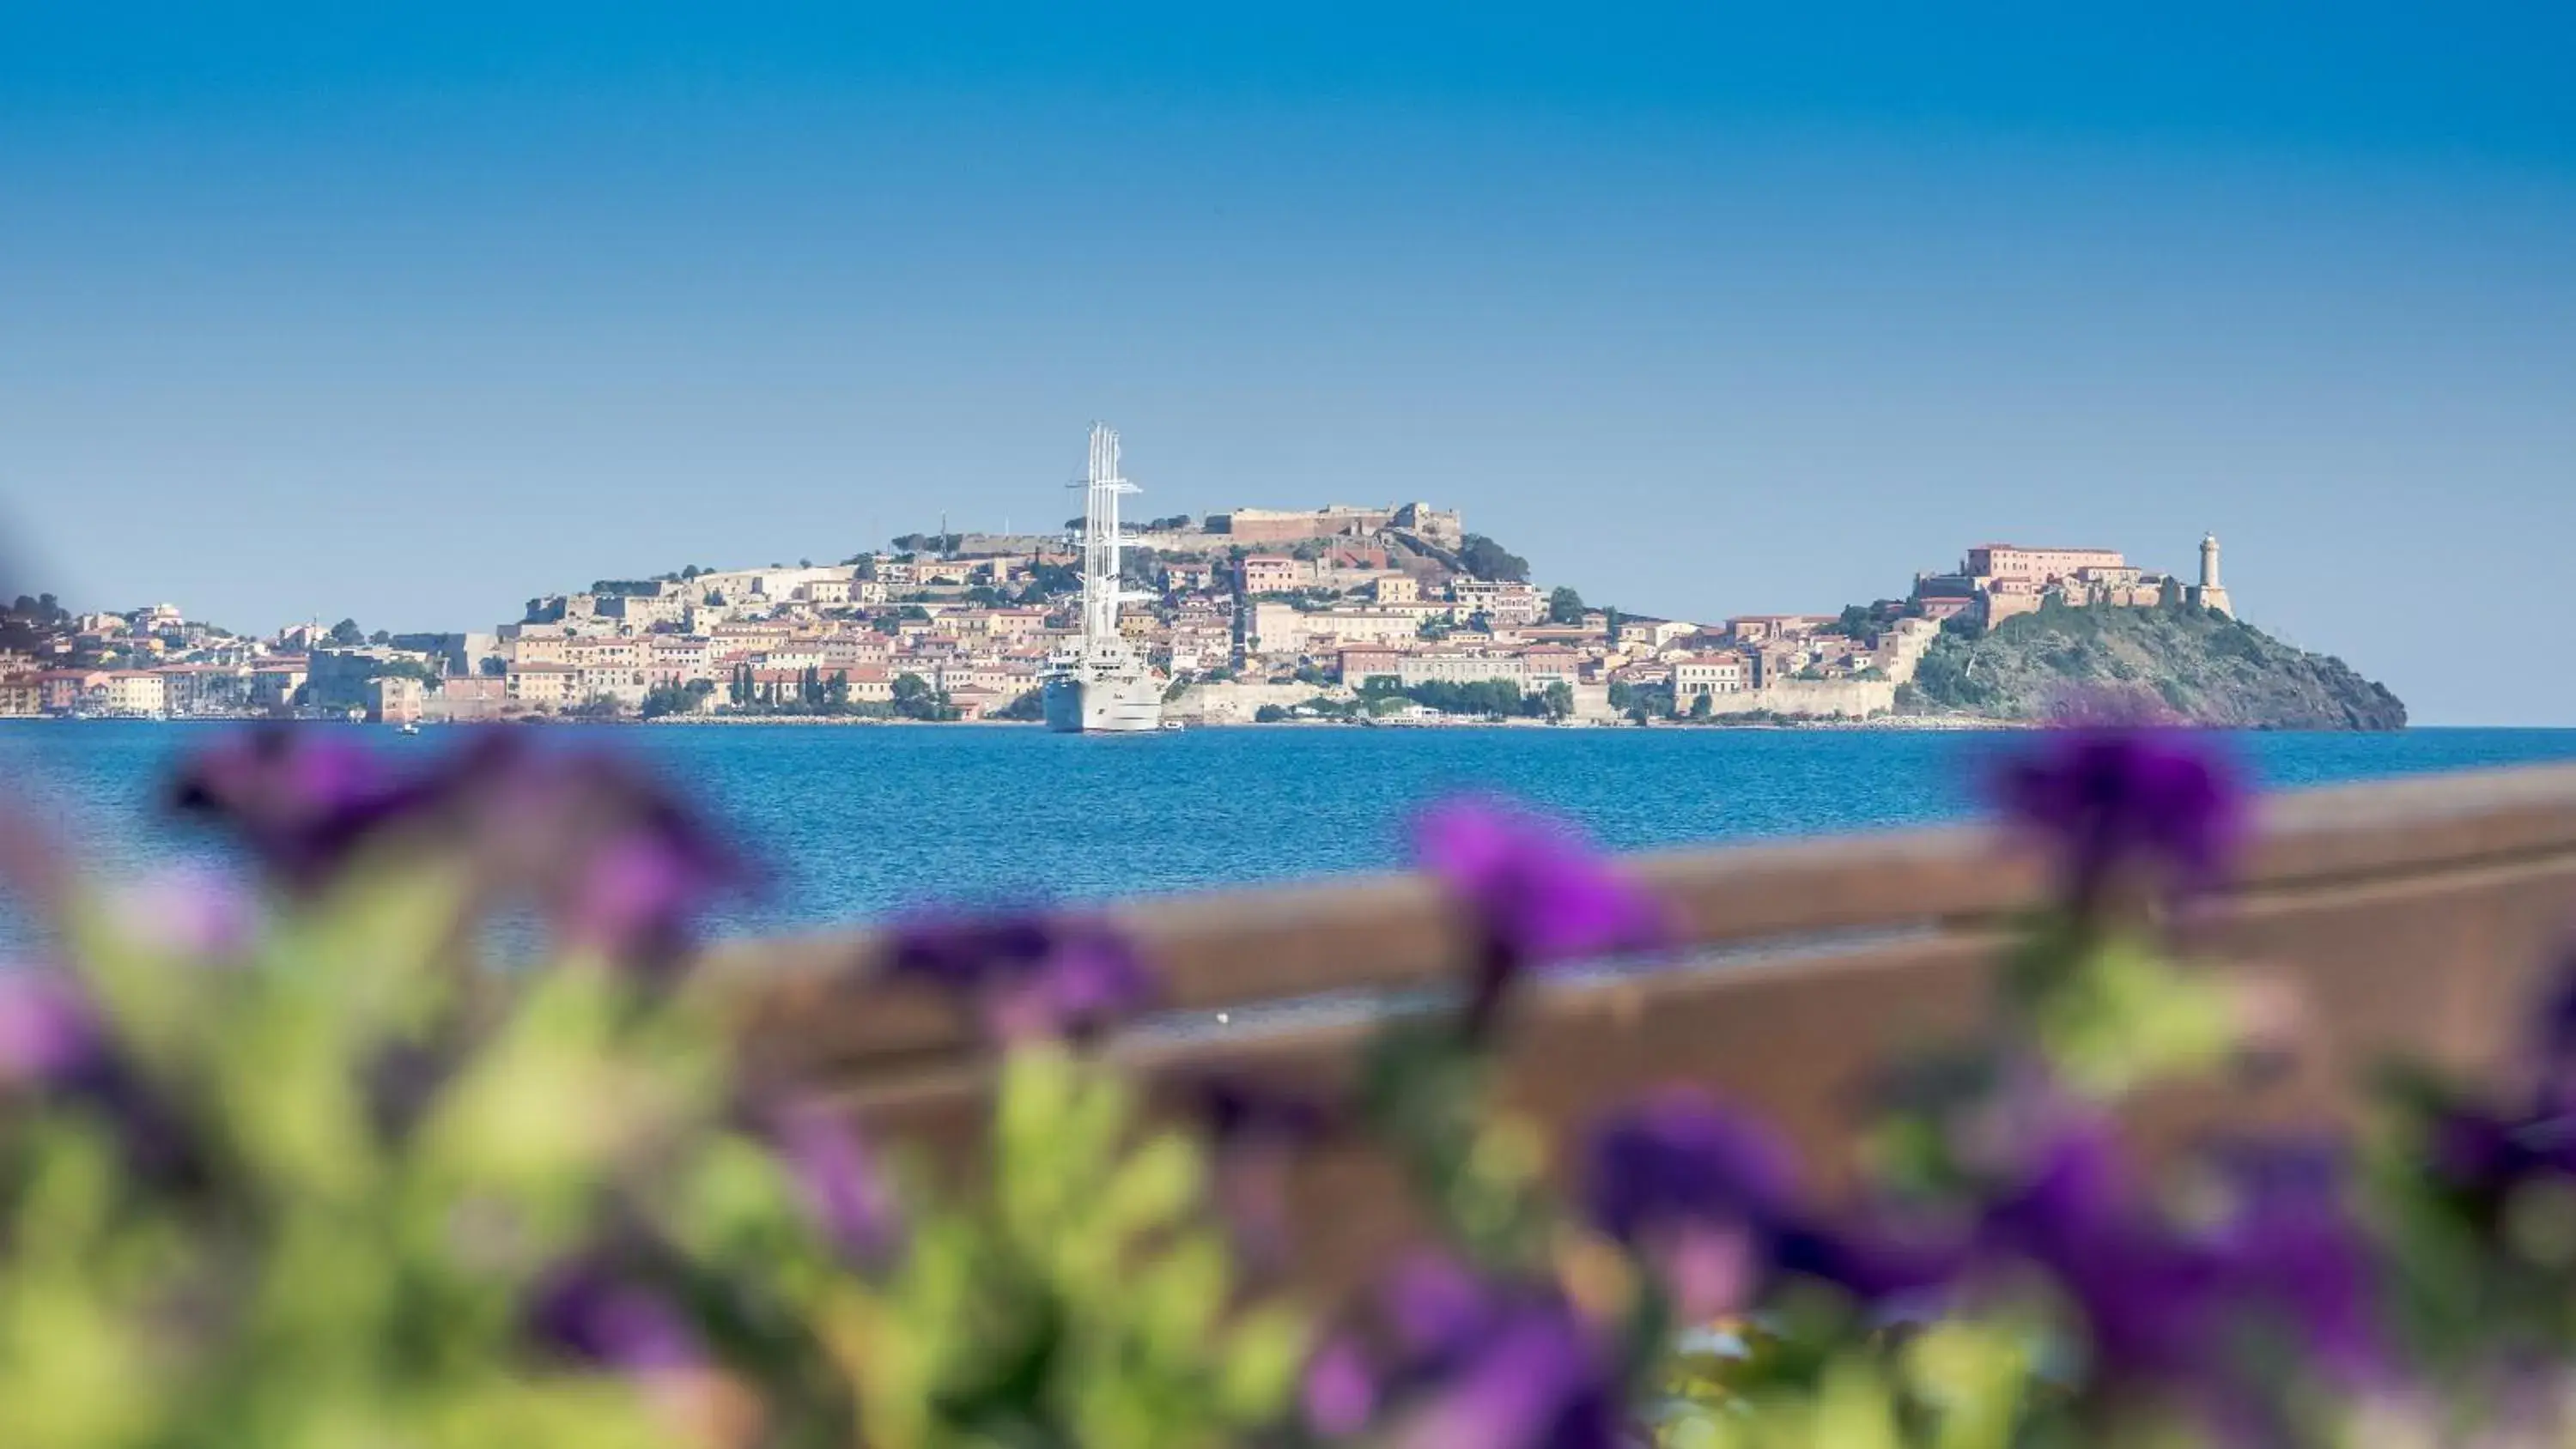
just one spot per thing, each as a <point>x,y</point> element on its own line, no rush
<point>432,1138</point>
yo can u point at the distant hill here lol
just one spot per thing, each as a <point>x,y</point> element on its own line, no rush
<point>2198,664</point>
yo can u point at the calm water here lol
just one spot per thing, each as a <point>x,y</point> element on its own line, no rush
<point>857,821</point>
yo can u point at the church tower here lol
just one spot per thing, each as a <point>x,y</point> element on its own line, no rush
<point>2210,593</point>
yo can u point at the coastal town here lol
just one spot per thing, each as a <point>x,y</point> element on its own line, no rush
<point>1391,615</point>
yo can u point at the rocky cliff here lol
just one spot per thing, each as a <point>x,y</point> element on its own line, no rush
<point>2203,666</point>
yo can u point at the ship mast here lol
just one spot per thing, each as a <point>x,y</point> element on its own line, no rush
<point>1101,540</point>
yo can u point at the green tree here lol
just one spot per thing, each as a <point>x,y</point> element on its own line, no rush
<point>1559,699</point>
<point>1480,697</point>
<point>670,699</point>
<point>1702,705</point>
<point>836,695</point>
<point>914,699</point>
<point>1564,606</point>
<point>1028,707</point>
<point>1485,559</point>
<point>1269,714</point>
<point>347,635</point>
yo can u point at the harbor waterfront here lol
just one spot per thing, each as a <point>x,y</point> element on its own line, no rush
<point>853,823</point>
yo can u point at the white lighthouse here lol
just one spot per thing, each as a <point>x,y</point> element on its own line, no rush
<point>2210,593</point>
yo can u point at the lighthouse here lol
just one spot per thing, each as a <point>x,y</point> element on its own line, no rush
<point>2210,593</point>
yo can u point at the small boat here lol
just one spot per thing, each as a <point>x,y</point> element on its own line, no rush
<point>408,727</point>
<point>1171,724</point>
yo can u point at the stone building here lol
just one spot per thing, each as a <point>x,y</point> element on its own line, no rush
<point>1709,674</point>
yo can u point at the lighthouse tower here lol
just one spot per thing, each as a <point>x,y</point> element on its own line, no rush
<point>2210,593</point>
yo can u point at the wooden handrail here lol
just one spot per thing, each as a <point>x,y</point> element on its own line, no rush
<point>815,1005</point>
<point>2408,917</point>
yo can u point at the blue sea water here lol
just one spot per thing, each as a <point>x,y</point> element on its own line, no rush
<point>859,821</point>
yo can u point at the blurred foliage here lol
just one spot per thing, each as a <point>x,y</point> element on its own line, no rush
<point>315,1165</point>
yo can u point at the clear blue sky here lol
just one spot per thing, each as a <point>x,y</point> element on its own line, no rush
<point>1706,309</point>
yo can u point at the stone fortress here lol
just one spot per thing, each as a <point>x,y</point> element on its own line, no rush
<point>1999,581</point>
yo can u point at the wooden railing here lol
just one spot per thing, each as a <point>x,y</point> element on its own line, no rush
<point>2411,917</point>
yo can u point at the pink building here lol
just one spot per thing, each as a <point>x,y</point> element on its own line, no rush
<point>2039,565</point>
<point>1265,573</point>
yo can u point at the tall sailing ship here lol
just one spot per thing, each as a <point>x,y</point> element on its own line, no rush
<point>1101,684</point>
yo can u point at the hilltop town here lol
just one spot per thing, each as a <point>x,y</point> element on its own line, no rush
<point>1394,615</point>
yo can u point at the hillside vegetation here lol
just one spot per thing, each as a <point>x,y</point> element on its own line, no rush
<point>2201,665</point>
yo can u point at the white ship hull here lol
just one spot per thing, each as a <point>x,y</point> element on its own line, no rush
<point>1103,701</point>
<point>1101,685</point>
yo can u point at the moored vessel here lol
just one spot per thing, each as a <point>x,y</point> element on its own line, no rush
<point>1102,684</point>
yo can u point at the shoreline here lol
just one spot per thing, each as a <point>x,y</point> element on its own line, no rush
<point>1890,724</point>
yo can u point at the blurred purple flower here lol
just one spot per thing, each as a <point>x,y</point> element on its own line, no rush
<point>2112,799</point>
<point>1893,1263</point>
<point>1340,1391</point>
<point>615,861</point>
<point>1538,896</point>
<point>1464,1361</point>
<point>49,1032</point>
<point>843,1186</point>
<point>1678,1157</point>
<point>1089,983</point>
<point>2168,1310</point>
<point>1436,1306</point>
<point>1537,1376</point>
<point>591,1315</point>
<point>1701,1192</point>
<point>2300,1252</point>
<point>53,1040</point>
<point>2144,1293</point>
<point>1025,976</point>
<point>300,800</point>
<point>637,894</point>
<point>1533,884</point>
<point>188,912</point>
<point>964,954</point>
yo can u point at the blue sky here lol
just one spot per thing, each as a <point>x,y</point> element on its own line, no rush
<point>310,311</point>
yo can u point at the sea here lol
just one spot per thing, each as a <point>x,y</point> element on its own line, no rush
<point>853,822</point>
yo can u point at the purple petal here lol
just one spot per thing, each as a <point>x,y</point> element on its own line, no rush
<point>2112,799</point>
<point>1088,983</point>
<point>1027,977</point>
<point>589,1315</point>
<point>2301,1252</point>
<point>1340,1390</point>
<point>1436,1305</point>
<point>637,894</point>
<point>1539,1380</point>
<point>843,1187</point>
<point>300,800</point>
<point>964,954</point>
<point>1679,1158</point>
<point>1535,888</point>
<point>190,913</point>
<point>49,1033</point>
